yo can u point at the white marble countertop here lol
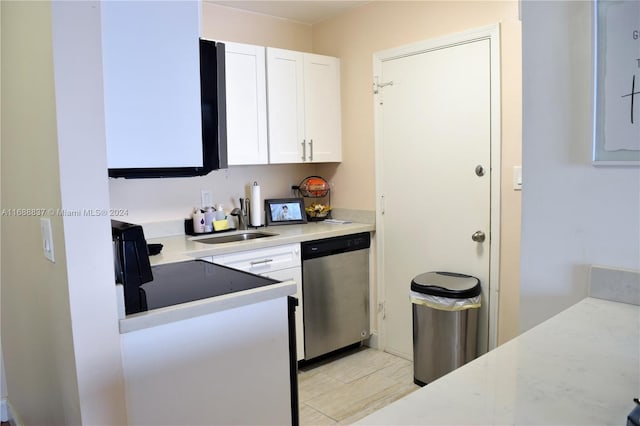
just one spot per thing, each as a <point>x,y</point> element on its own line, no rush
<point>581,367</point>
<point>179,248</point>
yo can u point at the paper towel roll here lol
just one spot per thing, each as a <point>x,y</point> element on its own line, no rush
<point>256,205</point>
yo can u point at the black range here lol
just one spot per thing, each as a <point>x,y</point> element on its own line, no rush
<point>147,287</point>
<point>182,282</point>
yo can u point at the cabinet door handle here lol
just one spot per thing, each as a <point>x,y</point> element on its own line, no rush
<point>260,262</point>
<point>304,150</point>
<point>311,150</point>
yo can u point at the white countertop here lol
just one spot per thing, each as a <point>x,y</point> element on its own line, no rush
<point>581,367</point>
<point>180,248</point>
<point>211,305</point>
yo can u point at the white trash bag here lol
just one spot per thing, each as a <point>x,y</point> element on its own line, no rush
<point>444,303</point>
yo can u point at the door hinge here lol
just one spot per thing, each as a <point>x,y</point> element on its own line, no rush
<point>377,85</point>
<point>382,309</point>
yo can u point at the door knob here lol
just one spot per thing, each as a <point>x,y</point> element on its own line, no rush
<point>478,237</point>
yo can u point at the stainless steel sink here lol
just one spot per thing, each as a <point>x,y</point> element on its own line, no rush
<point>230,238</point>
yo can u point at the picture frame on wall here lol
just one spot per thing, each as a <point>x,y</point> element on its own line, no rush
<point>616,117</point>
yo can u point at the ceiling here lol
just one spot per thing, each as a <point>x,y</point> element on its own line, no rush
<point>304,11</point>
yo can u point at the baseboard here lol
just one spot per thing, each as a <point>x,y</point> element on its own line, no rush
<point>9,414</point>
<point>4,410</point>
<point>373,341</point>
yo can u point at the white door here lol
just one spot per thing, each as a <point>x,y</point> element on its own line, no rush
<point>246,104</point>
<point>434,140</point>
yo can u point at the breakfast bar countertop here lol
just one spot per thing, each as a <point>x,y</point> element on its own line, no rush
<point>581,367</point>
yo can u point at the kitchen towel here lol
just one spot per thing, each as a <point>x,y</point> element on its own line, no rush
<point>256,205</point>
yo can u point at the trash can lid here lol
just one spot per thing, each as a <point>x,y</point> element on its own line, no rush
<point>446,284</point>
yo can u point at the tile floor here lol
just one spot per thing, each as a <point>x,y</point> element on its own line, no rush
<point>346,388</point>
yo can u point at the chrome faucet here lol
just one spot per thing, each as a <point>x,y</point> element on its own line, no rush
<point>242,213</point>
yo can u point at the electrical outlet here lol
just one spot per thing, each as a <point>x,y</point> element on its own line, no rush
<point>205,199</point>
<point>47,238</point>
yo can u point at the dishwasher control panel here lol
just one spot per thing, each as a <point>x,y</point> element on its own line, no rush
<point>335,245</point>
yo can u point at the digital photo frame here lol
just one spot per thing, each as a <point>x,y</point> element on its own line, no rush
<point>284,211</point>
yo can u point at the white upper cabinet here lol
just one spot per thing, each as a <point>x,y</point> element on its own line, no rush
<point>303,93</point>
<point>285,87</point>
<point>323,128</point>
<point>246,104</point>
<point>151,72</point>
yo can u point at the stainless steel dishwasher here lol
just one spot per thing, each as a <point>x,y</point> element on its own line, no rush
<point>335,292</point>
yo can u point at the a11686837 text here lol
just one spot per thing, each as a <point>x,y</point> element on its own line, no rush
<point>31,212</point>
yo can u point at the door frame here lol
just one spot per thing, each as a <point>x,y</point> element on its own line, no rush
<point>491,33</point>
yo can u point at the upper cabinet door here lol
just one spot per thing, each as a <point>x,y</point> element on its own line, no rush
<point>246,104</point>
<point>285,94</point>
<point>323,128</point>
<point>303,92</point>
<point>151,72</point>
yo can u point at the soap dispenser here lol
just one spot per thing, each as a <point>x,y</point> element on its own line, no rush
<point>198,221</point>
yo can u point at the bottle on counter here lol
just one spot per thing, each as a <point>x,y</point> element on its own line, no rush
<point>209,217</point>
<point>198,221</point>
<point>219,215</point>
<point>232,222</point>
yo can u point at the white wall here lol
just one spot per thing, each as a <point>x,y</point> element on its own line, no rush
<point>574,214</point>
<point>60,336</point>
<point>148,200</point>
<point>83,185</point>
<point>37,343</point>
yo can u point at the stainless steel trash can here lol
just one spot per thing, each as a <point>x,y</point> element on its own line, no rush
<point>445,317</point>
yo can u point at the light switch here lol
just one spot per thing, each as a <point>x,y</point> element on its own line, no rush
<point>47,238</point>
<point>517,178</point>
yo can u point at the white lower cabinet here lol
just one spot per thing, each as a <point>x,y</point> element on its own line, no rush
<point>227,368</point>
<point>294,274</point>
<point>281,263</point>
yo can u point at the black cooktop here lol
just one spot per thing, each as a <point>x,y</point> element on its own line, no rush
<point>176,283</point>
